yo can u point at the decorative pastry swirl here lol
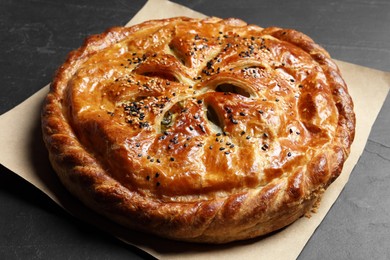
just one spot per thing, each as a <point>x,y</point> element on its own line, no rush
<point>199,130</point>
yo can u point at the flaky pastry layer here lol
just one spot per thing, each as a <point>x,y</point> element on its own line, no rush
<point>199,130</point>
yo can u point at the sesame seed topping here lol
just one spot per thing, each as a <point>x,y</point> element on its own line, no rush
<point>234,121</point>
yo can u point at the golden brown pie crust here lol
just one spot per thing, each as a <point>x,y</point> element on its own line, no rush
<point>199,130</point>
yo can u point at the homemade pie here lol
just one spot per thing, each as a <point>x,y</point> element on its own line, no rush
<point>199,130</point>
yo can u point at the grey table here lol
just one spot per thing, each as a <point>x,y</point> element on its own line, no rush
<point>34,39</point>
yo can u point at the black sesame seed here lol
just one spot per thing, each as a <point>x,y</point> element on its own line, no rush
<point>147,177</point>
<point>218,134</point>
<point>139,155</point>
<point>172,159</point>
<point>157,175</point>
<point>227,152</point>
<point>232,146</point>
<point>222,148</point>
<point>157,183</point>
<point>143,125</point>
<point>210,147</point>
<point>248,137</point>
<point>137,144</point>
<point>242,114</point>
<point>242,132</point>
<point>289,154</point>
<point>234,121</point>
<point>158,161</point>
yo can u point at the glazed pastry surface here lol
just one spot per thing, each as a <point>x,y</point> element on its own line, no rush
<point>199,130</point>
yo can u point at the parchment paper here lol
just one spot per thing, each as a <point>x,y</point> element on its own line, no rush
<point>22,151</point>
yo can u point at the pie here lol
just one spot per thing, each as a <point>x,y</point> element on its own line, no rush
<point>206,131</point>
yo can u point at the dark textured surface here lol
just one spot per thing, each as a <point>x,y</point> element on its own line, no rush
<point>35,37</point>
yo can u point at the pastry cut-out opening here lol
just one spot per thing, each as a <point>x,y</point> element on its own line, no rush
<point>161,74</point>
<point>230,88</point>
<point>178,55</point>
<point>214,120</point>
<point>167,120</point>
